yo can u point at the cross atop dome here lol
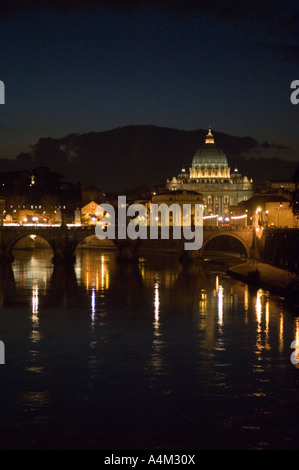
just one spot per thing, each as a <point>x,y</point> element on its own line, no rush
<point>210,137</point>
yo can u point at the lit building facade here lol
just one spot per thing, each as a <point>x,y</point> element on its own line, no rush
<point>269,210</point>
<point>279,215</point>
<point>180,198</point>
<point>281,186</point>
<point>210,175</point>
<point>91,213</point>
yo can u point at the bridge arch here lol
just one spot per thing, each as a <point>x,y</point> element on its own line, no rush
<point>231,234</point>
<point>11,244</point>
<point>91,240</point>
<point>127,250</point>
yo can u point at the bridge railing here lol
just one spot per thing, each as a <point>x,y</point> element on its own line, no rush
<point>228,227</point>
<point>46,226</point>
<point>92,227</point>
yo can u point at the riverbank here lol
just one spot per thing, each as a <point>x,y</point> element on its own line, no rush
<point>256,273</point>
<point>223,260</point>
<point>269,277</point>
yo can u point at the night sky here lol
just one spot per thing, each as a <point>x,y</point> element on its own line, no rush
<point>95,65</point>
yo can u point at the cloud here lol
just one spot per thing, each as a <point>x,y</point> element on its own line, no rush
<point>266,150</point>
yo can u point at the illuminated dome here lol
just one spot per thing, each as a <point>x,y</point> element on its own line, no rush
<point>209,154</point>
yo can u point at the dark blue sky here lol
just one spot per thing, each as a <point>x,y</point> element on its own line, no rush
<point>93,69</point>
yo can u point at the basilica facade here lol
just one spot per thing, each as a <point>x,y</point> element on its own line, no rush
<point>211,176</point>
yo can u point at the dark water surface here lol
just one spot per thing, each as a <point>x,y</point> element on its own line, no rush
<point>155,356</point>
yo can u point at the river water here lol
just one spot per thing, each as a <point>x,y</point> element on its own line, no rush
<point>157,356</point>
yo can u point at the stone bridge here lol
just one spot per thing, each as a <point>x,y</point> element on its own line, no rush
<point>245,235</point>
<point>64,240</point>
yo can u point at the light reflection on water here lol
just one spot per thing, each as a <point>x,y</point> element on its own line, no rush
<point>158,355</point>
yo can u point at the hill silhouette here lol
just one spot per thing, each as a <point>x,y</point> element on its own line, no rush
<point>132,156</point>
